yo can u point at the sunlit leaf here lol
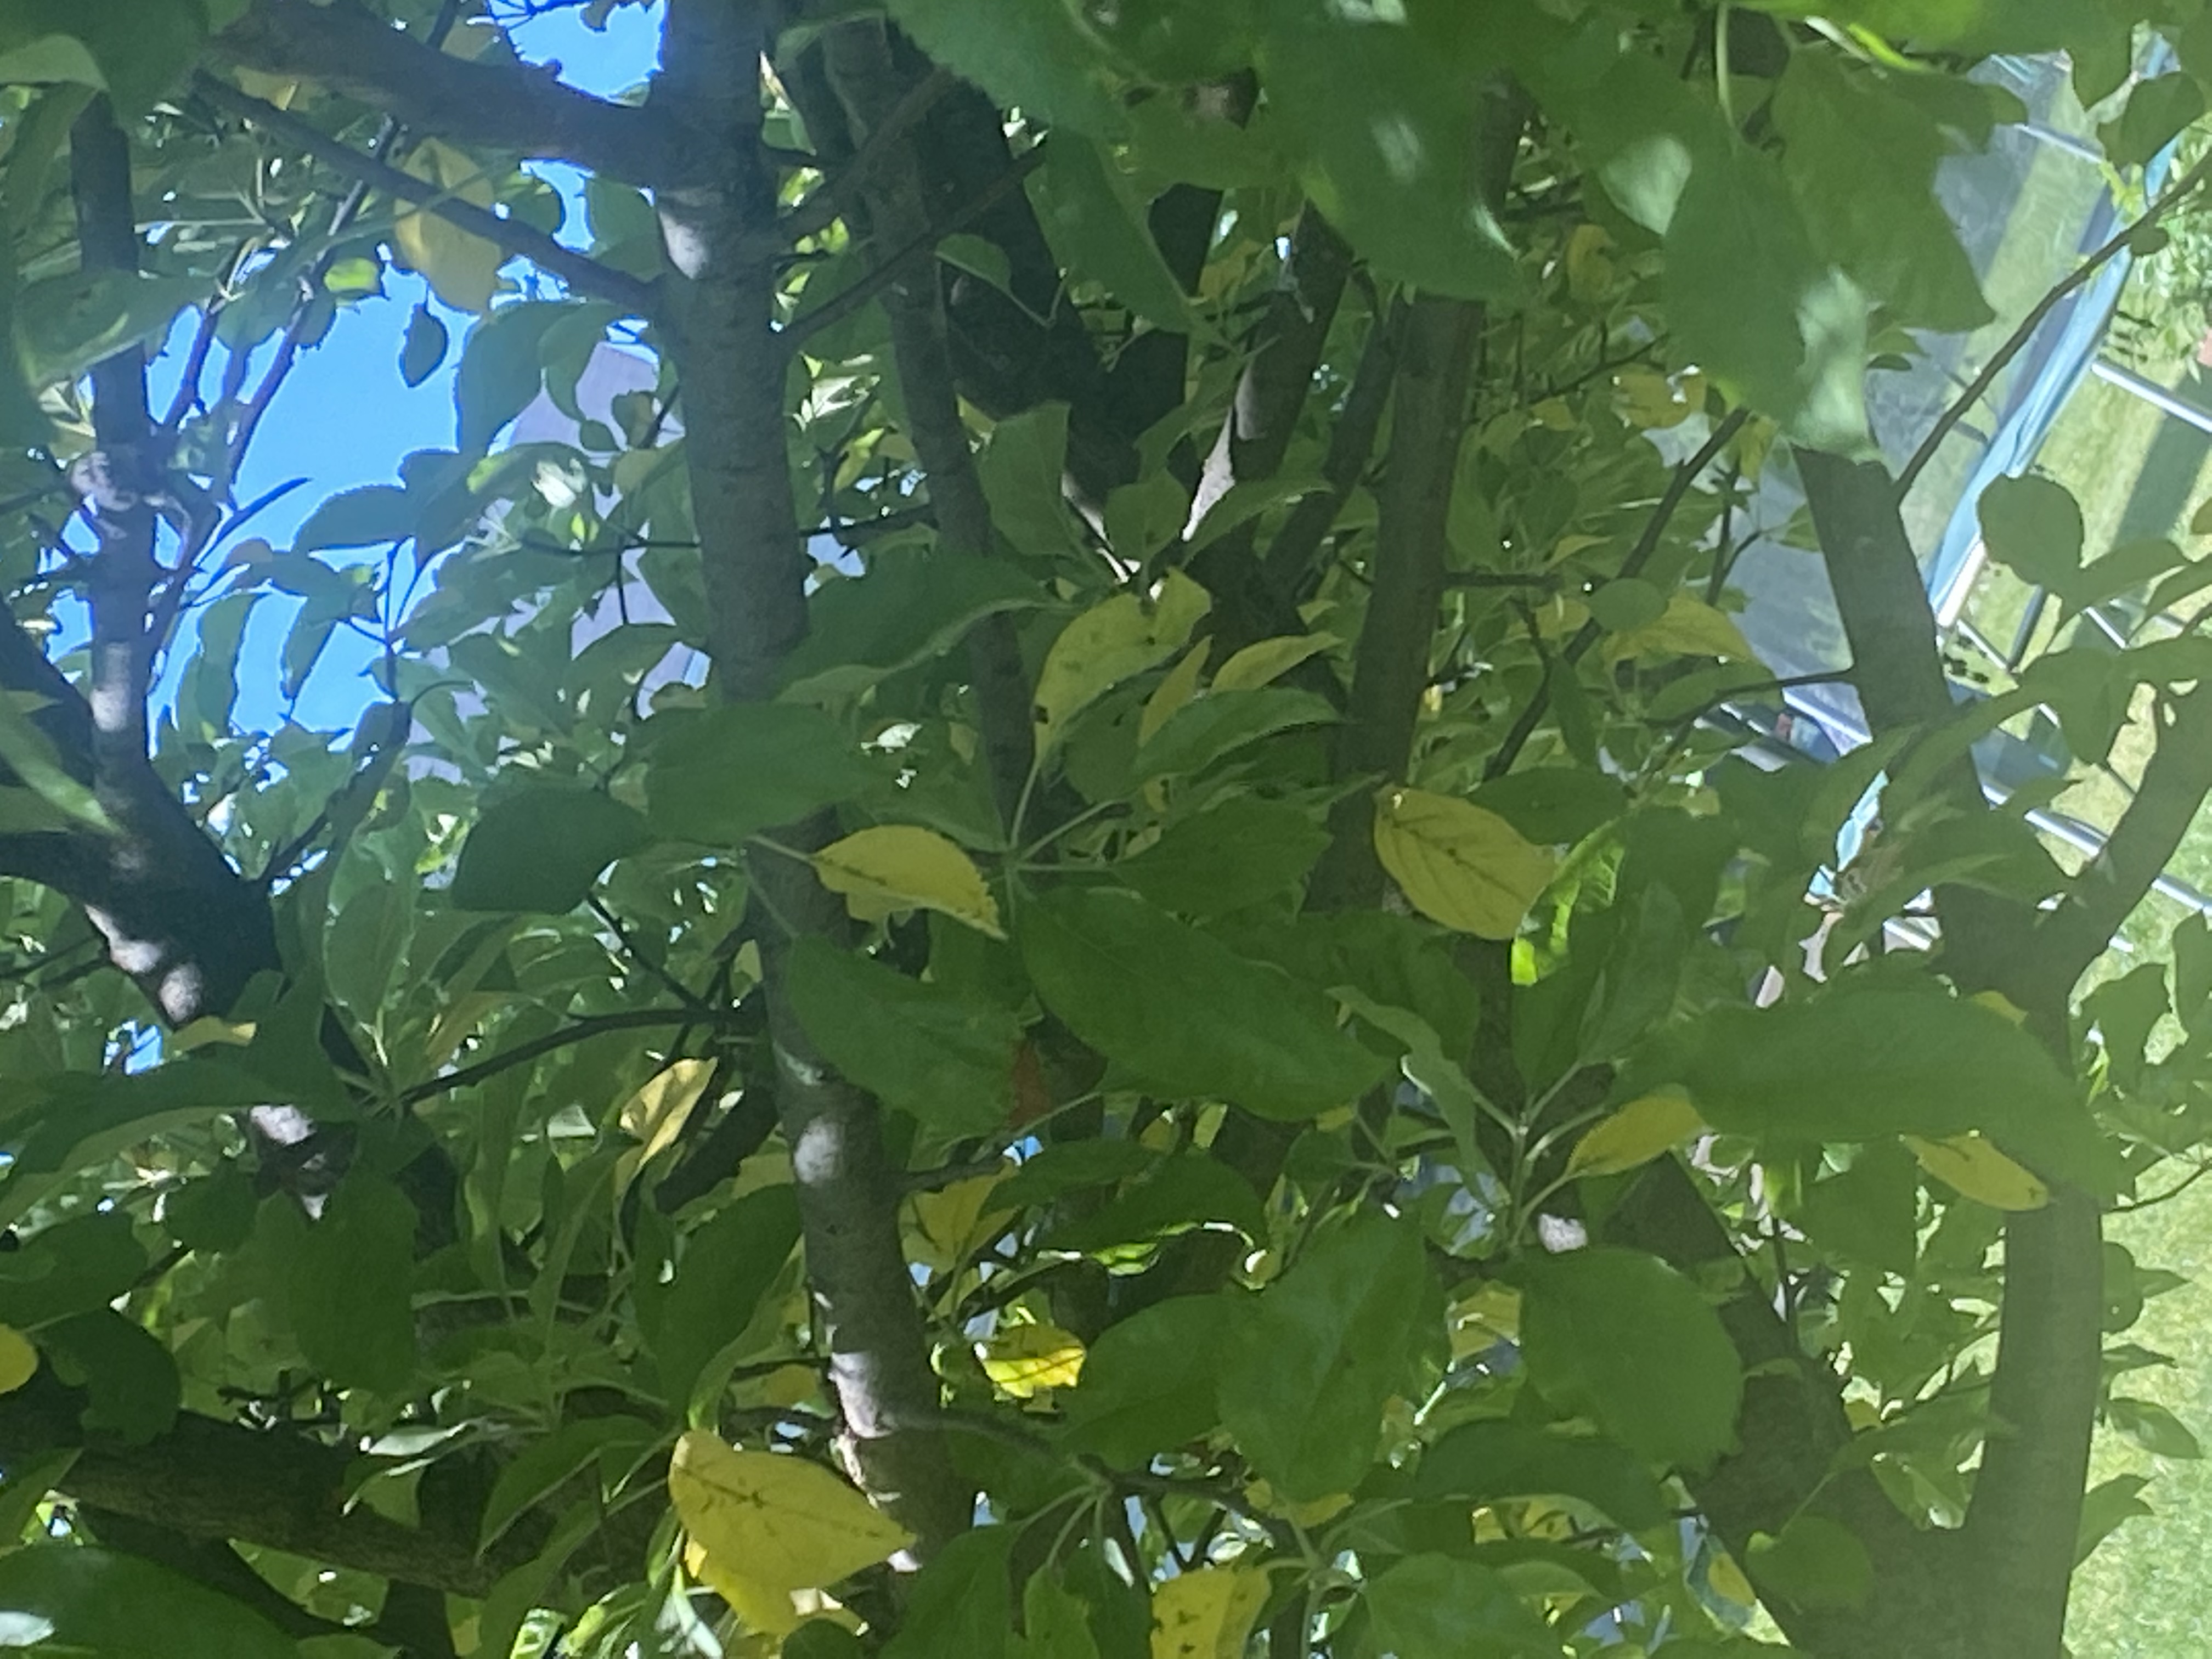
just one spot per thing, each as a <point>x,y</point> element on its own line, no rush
<point>1972,1165</point>
<point>1207,1613</point>
<point>1457,863</point>
<point>900,866</point>
<point>1635,1134</point>
<point>779,1521</point>
<point>1024,1360</point>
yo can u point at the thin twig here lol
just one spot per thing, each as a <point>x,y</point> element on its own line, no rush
<point>835,197</point>
<point>836,309</point>
<point>625,1019</point>
<point>582,273</point>
<point>1588,634</point>
<point>2072,283</point>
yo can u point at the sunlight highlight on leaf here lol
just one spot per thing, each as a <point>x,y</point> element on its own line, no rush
<point>901,867</point>
<point>1459,864</point>
<point>1635,1134</point>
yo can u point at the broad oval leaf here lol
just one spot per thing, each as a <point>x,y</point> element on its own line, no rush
<point>1444,1606</point>
<point>1114,639</point>
<point>79,1600</point>
<point>1206,1613</point>
<point>1972,1165</point>
<point>1312,1362</point>
<point>1459,864</point>
<point>1183,1011</point>
<point>1620,1337</point>
<point>1635,1134</point>
<point>541,849</point>
<point>782,1521</point>
<point>19,1360</point>
<point>901,867</point>
<point>720,775</point>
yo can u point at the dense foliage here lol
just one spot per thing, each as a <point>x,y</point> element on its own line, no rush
<point>1197,1039</point>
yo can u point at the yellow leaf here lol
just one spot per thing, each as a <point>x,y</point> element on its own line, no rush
<point>1207,1614</point>
<point>1025,1360</point>
<point>461,267</point>
<point>768,1524</point>
<point>763,1608</point>
<point>1177,688</point>
<point>211,1028</point>
<point>1590,273</point>
<point>950,1222</point>
<point>900,866</point>
<point>1635,1134</point>
<point>2001,1005</point>
<point>1729,1583</point>
<point>1256,665</point>
<point>1459,864</point>
<point>1691,627</point>
<point>1973,1166</point>
<point>1106,644</point>
<point>657,1113</point>
<point>1648,401</point>
<point>1554,415</point>
<point>19,1360</point>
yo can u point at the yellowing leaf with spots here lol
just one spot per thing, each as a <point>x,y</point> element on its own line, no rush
<point>1690,628</point>
<point>1206,1614</point>
<point>461,267</point>
<point>1256,665</point>
<point>1459,864</point>
<point>766,1524</point>
<point>1106,644</point>
<point>902,867</point>
<point>1174,692</point>
<point>1973,1166</point>
<point>1635,1134</point>
<point>1024,1360</point>
<point>19,1360</point>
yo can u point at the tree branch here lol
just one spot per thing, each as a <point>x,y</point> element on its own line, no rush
<point>732,366</point>
<point>582,273</point>
<point>2026,1511</point>
<point>868,84</point>
<point>525,110</point>
<point>205,1479</point>
<point>1390,663</point>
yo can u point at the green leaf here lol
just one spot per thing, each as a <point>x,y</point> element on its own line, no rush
<point>546,1465</point>
<point>1870,1212</point>
<point>945,1057</point>
<point>359,518</point>
<point>1444,1606</point>
<point>70,1268</point>
<point>500,372</point>
<point>424,347</point>
<point>1750,302</point>
<point>1183,1011</point>
<point>2157,110</point>
<point>1222,722</point>
<point>962,1606</point>
<point>2151,1427</point>
<point>75,1599</point>
<point>1097,227</point>
<point>1863,1065</point>
<point>726,1267</point>
<point>1240,852</point>
<point>64,325</point>
<point>2033,525</point>
<point>1862,161</point>
<point>1148,1383</point>
<point>1814,1562</point>
<point>719,776</point>
<point>1114,640</point>
<point>1020,470</point>
<point>348,1279</point>
<point>1322,1348</point>
<point>1623,1339</point>
<point>131,1383</point>
<point>542,847</point>
<point>1172,1195</point>
<point>1038,57</point>
<point>213,1212</point>
<point>2106,1508</point>
<point>1399,168</point>
<point>911,607</point>
<point>1494,1458</point>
